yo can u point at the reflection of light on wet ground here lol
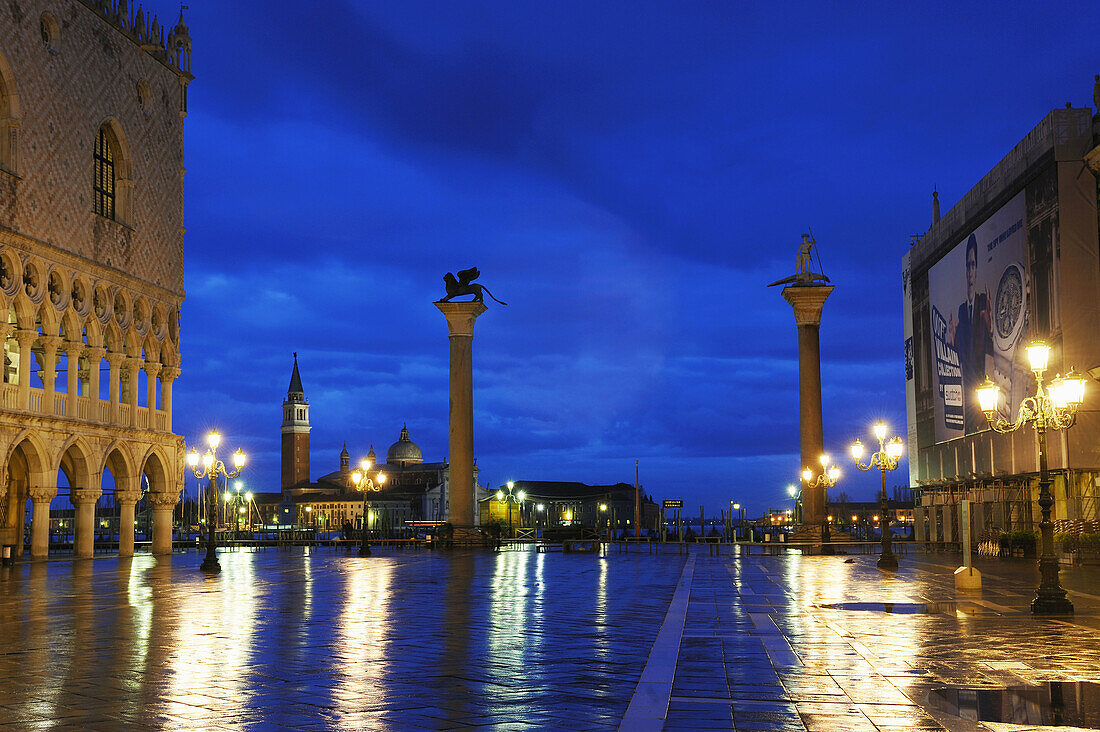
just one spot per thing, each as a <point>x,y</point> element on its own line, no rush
<point>210,654</point>
<point>510,606</point>
<point>139,594</point>
<point>364,624</point>
<point>1074,704</point>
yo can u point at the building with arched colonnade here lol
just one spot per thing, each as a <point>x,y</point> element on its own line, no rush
<point>91,266</point>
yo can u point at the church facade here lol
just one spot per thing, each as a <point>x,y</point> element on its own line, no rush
<point>412,490</point>
<point>92,108</point>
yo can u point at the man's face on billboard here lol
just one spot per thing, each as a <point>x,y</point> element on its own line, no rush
<point>971,272</point>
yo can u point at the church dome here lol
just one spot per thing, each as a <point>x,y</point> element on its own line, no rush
<point>404,451</point>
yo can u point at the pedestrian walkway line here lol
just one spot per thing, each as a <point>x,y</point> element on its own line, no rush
<point>649,703</point>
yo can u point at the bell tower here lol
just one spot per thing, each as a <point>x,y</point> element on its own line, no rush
<point>295,429</point>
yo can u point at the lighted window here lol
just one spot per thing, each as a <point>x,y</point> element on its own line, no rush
<point>104,187</point>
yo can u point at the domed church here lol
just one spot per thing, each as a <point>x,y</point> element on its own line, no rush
<point>413,490</point>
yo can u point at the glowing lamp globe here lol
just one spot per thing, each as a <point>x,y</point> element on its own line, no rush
<point>880,430</point>
<point>857,449</point>
<point>239,458</point>
<point>894,448</point>
<point>834,473</point>
<point>1038,354</point>
<point>193,457</point>
<point>989,395</point>
<point>213,439</point>
<point>1073,385</point>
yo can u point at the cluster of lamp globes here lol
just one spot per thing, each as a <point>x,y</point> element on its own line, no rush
<point>364,483</point>
<point>1065,393</point>
<point>210,463</point>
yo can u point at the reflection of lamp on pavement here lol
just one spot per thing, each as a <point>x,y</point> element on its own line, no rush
<point>827,479</point>
<point>1052,408</point>
<point>364,483</point>
<point>886,458</point>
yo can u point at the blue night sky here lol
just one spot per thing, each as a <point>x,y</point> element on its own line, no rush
<point>628,176</point>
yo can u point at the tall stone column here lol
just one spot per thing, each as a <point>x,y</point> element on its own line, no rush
<point>95,356</point>
<point>460,329</point>
<point>807,302</point>
<point>114,360</point>
<point>167,376</point>
<point>72,355</point>
<point>127,500</point>
<point>152,368</point>
<point>84,499</point>
<point>163,505</point>
<point>26,339</point>
<point>50,345</point>
<point>40,520</point>
<point>133,365</point>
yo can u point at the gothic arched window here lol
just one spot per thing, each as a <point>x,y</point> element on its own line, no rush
<point>104,186</point>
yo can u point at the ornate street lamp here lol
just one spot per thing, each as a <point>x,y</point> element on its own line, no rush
<point>211,468</point>
<point>886,459</point>
<point>519,497</point>
<point>1052,408</point>
<point>364,483</point>
<point>827,479</point>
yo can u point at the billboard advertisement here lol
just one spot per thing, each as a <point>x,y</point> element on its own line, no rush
<point>978,296</point>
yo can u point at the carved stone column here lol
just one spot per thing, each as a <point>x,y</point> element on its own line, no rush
<point>114,360</point>
<point>72,355</point>
<point>807,302</point>
<point>167,376</point>
<point>152,368</point>
<point>126,500</point>
<point>26,339</point>
<point>49,344</point>
<point>40,520</point>
<point>84,499</point>
<point>163,505</point>
<point>133,365</point>
<point>460,329</point>
<point>95,357</point>
<point>6,330</point>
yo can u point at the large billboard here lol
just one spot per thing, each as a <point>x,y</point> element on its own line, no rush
<point>978,296</point>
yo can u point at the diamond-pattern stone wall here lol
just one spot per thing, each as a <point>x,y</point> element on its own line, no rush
<point>87,74</point>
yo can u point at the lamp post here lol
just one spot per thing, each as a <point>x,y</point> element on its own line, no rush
<point>737,531</point>
<point>211,468</point>
<point>519,497</point>
<point>365,483</point>
<point>886,459</point>
<point>793,493</point>
<point>1053,408</point>
<point>827,479</point>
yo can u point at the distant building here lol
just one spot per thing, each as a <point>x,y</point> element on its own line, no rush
<point>92,105</point>
<point>413,490</point>
<point>1016,258</point>
<point>553,503</point>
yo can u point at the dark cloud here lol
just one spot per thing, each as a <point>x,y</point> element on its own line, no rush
<point>628,176</point>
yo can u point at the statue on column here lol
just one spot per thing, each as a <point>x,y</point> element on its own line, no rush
<point>804,273</point>
<point>464,285</point>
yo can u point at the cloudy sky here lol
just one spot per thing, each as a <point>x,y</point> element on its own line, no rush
<point>628,176</point>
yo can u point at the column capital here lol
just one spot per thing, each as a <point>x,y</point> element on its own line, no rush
<point>114,358</point>
<point>50,343</point>
<point>807,302</point>
<point>94,352</point>
<point>26,337</point>
<point>84,495</point>
<point>127,497</point>
<point>461,316</point>
<point>133,362</point>
<point>162,499</point>
<point>39,493</point>
<point>6,330</point>
<point>152,368</point>
<point>169,373</point>
<point>74,348</point>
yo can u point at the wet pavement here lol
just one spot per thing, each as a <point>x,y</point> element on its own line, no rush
<point>419,640</point>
